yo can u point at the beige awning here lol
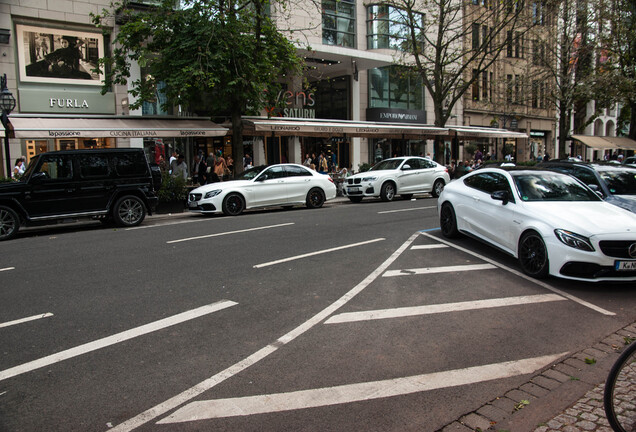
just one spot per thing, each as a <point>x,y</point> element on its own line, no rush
<point>482,132</point>
<point>332,128</point>
<point>595,142</point>
<point>70,127</point>
<point>622,142</point>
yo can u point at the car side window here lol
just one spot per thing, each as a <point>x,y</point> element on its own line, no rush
<point>276,172</point>
<point>413,163</point>
<point>427,163</point>
<point>488,182</point>
<point>586,176</point>
<point>296,171</point>
<point>131,164</point>
<point>57,167</point>
<point>93,166</point>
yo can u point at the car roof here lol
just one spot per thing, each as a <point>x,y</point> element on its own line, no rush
<point>518,170</point>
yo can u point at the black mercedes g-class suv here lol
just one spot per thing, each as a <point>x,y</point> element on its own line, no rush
<point>109,184</point>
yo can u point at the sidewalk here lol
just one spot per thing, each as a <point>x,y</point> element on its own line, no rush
<point>566,397</point>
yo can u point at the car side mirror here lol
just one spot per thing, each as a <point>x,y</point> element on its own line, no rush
<point>406,167</point>
<point>38,177</point>
<point>502,196</point>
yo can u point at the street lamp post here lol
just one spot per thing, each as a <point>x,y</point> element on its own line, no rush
<point>7,103</point>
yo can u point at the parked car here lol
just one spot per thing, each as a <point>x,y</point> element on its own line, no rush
<point>630,161</point>
<point>108,184</point>
<point>551,222</point>
<point>615,182</point>
<point>264,186</point>
<point>402,176</point>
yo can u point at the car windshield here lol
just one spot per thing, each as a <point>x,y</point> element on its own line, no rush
<point>250,173</point>
<point>388,164</point>
<point>619,181</point>
<point>29,169</point>
<point>552,187</point>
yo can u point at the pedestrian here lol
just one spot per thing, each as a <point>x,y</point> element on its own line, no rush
<point>203,169</point>
<point>323,165</point>
<point>195,169</point>
<point>173,158</point>
<point>180,168</point>
<point>230,166</point>
<point>307,161</point>
<point>220,166</point>
<point>247,161</point>
<point>18,169</point>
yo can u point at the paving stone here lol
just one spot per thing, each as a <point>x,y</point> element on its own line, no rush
<point>519,395</point>
<point>534,389</point>
<point>556,375</point>
<point>475,421</point>
<point>586,425</point>
<point>456,427</point>
<point>595,353</point>
<point>505,404</point>
<point>545,382</point>
<point>576,363</point>
<point>493,413</point>
<point>570,371</point>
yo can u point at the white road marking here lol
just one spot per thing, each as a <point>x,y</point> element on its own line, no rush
<point>410,209</point>
<point>171,223</point>
<point>209,383</point>
<point>7,268</point>
<point>443,269</point>
<point>27,319</point>
<point>320,397</point>
<point>441,308</point>
<point>317,253</point>
<point>429,246</point>
<point>230,232</point>
<point>524,276</point>
<point>114,339</point>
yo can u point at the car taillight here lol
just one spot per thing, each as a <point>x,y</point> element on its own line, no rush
<point>330,179</point>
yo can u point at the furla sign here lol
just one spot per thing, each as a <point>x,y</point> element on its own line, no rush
<point>49,101</point>
<point>68,103</point>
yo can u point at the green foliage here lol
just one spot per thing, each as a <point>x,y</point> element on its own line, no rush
<point>172,188</point>
<point>5,179</point>
<point>470,148</point>
<point>364,167</point>
<point>590,361</point>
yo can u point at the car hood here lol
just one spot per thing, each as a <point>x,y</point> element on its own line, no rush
<point>585,218</point>
<point>628,202</point>
<point>231,184</point>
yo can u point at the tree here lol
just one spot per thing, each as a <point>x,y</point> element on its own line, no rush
<point>218,56</point>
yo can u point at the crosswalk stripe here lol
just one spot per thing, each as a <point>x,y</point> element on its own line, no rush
<point>341,394</point>
<point>441,308</point>
<point>429,246</point>
<point>443,269</point>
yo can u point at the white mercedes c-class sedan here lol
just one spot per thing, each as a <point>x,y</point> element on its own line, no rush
<point>283,185</point>
<point>551,222</point>
<point>402,176</point>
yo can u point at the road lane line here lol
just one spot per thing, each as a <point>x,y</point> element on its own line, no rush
<point>229,232</point>
<point>209,383</point>
<point>429,246</point>
<point>443,269</point>
<point>297,257</point>
<point>159,224</point>
<point>524,276</point>
<point>27,319</point>
<point>441,308</point>
<point>403,210</point>
<point>242,406</point>
<point>7,268</point>
<point>114,339</point>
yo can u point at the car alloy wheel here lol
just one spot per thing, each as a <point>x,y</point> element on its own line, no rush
<point>9,223</point>
<point>388,191</point>
<point>315,198</point>
<point>438,187</point>
<point>448,221</point>
<point>129,211</point>
<point>533,255</point>
<point>233,205</point>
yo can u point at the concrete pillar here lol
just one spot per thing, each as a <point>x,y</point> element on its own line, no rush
<point>258,158</point>
<point>355,142</point>
<point>295,155</point>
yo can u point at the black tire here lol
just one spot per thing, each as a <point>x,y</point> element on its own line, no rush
<point>406,196</point>
<point>448,221</point>
<point>387,193</point>
<point>9,223</point>
<point>438,187</point>
<point>355,199</point>
<point>129,211</point>
<point>533,255</point>
<point>233,204</point>
<point>315,198</point>
<point>618,397</point>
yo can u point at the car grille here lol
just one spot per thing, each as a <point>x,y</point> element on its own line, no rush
<point>617,248</point>
<point>586,270</point>
<point>353,181</point>
<point>195,196</point>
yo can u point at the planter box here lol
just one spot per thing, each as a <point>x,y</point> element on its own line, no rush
<point>171,207</point>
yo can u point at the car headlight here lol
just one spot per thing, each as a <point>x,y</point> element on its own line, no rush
<point>574,240</point>
<point>366,179</point>
<point>212,193</point>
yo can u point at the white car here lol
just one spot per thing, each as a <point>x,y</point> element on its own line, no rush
<point>551,222</point>
<point>403,176</point>
<point>263,186</point>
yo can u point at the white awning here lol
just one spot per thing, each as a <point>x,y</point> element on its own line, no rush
<point>330,128</point>
<point>483,132</point>
<point>596,142</point>
<point>70,127</point>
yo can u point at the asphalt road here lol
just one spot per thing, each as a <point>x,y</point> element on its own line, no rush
<point>350,317</point>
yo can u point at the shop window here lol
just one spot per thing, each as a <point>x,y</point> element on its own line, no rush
<point>338,23</point>
<point>395,87</point>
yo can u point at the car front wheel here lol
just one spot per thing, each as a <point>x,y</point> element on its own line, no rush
<point>448,221</point>
<point>233,205</point>
<point>315,198</point>
<point>129,211</point>
<point>533,255</point>
<point>9,223</point>
<point>387,193</point>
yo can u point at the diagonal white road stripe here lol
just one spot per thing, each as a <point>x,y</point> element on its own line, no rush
<point>229,232</point>
<point>250,405</point>
<point>444,269</point>
<point>27,319</point>
<point>7,268</point>
<point>405,210</point>
<point>119,337</point>
<point>441,308</point>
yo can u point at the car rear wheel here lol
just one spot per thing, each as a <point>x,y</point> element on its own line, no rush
<point>129,211</point>
<point>315,198</point>
<point>438,187</point>
<point>355,199</point>
<point>448,221</point>
<point>533,255</point>
<point>388,191</point>
<point>9,223</point>
<point>233,205</point>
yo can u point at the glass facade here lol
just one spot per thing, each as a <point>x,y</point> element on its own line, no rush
<point>386,28</point>
<point>395,87</point>
<point>339,23</point>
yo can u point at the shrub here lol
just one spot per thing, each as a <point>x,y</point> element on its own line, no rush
<point>172,188</point>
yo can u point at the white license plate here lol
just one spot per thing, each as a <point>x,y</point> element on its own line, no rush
<point>625,265</point>
<point>192,204</point>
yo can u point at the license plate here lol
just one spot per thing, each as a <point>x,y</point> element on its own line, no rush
<point>625,265</point>
<point>192,204</point>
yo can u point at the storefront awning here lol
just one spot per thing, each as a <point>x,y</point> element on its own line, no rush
<point>1,130</point>
<point>69,127</point>
<point>482,132</point>
<point>603,143</point>
<point>332,128</point>
<point>622,142</point>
